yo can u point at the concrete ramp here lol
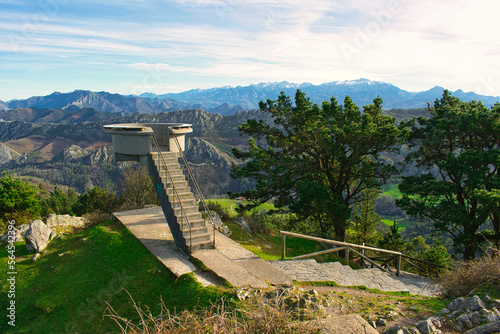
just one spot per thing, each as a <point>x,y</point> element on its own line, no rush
<point>228,269</point>
<point>151,229</point>
<point>229,260</point>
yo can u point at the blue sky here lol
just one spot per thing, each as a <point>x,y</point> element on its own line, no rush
<point>136,46</point>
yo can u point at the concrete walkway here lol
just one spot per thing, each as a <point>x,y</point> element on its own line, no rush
<point>240,267</point>
<point>229,260</point>
<point>311,271</point>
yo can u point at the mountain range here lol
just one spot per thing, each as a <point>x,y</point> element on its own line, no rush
<point>229,100</point>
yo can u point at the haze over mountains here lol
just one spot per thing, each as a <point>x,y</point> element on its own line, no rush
<point>229,100</point>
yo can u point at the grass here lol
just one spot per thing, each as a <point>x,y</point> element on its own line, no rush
<point>391,190</point>
<point>230,206</point>
<point>402,223</point>
<point>66,289</point>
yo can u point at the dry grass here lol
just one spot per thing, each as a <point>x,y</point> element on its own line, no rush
<point>470,276</point>
<point>223,317</point>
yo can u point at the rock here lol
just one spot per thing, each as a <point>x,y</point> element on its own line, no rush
<point>244,225</point>
<point>426,327</point>
<point>38,236</point>
<point>456,304</point>
<point>15,236</point>
<point>435,321</point>
<point>474,304</point>
<point>391,315</point>
<point>372,323</point>
<point>496,303</point>
<point>413,330</point>
<point>443,311</point>
<point>397,329</point>
<point>381,322</point>
<point>475,317</point>
<point>35,257</point>
<point>23,229</point>
<point>492,316</point>
<point>66,220</point>
<point>345,324</point>
<point>463,321</point>
<point>467,304</point>
<point>486,329</point>
<point>225,230</point>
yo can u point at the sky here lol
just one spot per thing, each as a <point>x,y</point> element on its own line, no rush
<point>136,46</point>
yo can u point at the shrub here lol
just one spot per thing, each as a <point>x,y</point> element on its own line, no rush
<point>218,209</point>
<point>137,189</point>
<point>468,276</point>
<point>19,200</point>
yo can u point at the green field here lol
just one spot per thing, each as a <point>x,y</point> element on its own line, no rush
<point>230,206</point>
<point>391,190</point>
<point>69,288</point>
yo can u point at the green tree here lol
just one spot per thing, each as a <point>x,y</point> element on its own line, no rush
<point>59,202</point>
<point>365,220</point>
<point>460,143</point>
<point>392,240</point>
<point>316,161</point>
<point>19,200</point>
<point>96,200</point>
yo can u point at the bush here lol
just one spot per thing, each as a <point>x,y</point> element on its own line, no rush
<point>97,205</point>
<point>19,200</point>
<point>137,189</point>
<point>469,276</point>
<point>218,209</point>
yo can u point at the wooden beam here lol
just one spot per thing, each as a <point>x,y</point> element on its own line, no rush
<point>320,253</point>
<point>338,243</point>
<point>368,259</point>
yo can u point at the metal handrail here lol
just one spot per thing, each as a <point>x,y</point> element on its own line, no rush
<point>176,195</point>
<point>196,186</point>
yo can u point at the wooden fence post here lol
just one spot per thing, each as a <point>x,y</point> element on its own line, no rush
<point>347,256</point>
<point>283,246</point>
<point>398,265</point>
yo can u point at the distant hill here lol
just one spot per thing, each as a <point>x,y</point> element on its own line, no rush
<point>4,106</point>
<point>41,116</point>
<point>229,100</point>
<point>102,101</point>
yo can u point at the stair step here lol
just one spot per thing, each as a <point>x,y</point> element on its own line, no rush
<point>201,245</point>
<point>190,211</point>
<point>197,231</point>
<point>197,238</point>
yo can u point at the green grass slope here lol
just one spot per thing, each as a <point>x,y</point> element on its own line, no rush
<point>68,289</point>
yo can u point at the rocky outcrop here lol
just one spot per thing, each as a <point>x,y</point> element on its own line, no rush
<point>66,220</point>
<point>470,315</point>
<point>86,156</point>
<point>200,151</point>
<point>38,236</point>
<point>7,154</point>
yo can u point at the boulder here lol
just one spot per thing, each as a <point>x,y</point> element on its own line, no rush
<point>38,236</point>
<point>15,234</point>
<point>66,220</point>
<point>426,327</point>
